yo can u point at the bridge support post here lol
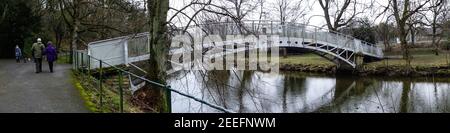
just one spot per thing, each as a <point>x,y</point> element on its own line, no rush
<point>359,61</point>
<point>284,51</point>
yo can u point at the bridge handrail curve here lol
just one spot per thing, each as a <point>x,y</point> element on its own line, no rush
<point>373,49</point>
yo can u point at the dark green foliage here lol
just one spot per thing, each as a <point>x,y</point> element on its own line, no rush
<point>361,29</point>
<point>365,33</point>
<point>19,24</point>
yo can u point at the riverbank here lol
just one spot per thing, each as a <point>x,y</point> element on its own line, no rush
<point>109,103</point>
<point>424,63</point>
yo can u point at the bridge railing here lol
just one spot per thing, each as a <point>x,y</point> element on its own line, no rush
<point>120,50</point>
<point>291,30</point>
<point>111,82</point>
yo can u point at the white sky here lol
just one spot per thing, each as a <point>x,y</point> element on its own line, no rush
<point>315,13</point>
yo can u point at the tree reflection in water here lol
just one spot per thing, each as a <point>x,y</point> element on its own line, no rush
<point>258,92</point>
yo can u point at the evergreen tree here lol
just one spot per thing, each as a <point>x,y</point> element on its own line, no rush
<point>17,24</point>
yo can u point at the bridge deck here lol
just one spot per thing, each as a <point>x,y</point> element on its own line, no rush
<point>344,48</point>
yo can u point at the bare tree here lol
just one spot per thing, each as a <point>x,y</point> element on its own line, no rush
<point>290,10</point>
<point>402,11</point>
<point>438,11</point>
<point>191,13</point>
<point>385,33</point>
<point>72,13</point>
<point>339,13</point>
<point>159,41</point>
<point>240,8</point>
<point>413,25</point>
<point>103,18</point>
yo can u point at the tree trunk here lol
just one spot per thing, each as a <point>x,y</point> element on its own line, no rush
<point>73,45</point>
<point>387,46</point>
<point>58,38</point>
<point>154,96</point>
<point>436,47</point>
<point>434,43</point>
<point>413,36</point>
<point>403,33</point>
<point>159,45</point>
<point>406,54</point>
<point>405,47</point>
<point>4,13</point>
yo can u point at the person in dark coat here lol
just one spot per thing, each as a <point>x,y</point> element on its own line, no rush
<point>18,54</point>
<point>51,54</point>
<point>37,51</point>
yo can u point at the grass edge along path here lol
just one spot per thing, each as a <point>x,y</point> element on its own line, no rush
<point>88,102</point>
<point>91,95</point>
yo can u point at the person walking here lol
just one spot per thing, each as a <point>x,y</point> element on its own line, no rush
<point>18,54</point>
<point>51,54</point>
<point>37,51</point>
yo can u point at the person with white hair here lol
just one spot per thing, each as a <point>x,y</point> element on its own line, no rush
<point>18,54</point>
<point>37,51</point>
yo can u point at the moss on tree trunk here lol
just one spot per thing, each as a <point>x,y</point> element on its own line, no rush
<point>155,96</point>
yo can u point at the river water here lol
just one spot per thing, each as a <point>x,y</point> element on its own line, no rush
<point>258,92</point>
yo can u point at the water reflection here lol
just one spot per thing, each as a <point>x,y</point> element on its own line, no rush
<point>257,92</point>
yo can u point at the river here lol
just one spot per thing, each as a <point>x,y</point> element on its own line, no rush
<point>258,92</point>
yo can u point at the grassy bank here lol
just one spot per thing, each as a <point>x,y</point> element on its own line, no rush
<point>421,58</point>
<point>424,63</point>
<point>306,59</point>
<point>63,59</point>
<point>89,91</point>
<point>307,63</point>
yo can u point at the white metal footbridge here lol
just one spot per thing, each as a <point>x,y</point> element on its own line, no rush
<point>339,48</point>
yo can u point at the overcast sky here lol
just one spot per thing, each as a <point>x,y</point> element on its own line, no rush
<point>315,14</point>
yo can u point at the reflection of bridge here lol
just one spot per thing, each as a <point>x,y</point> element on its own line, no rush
<point>339,48</point>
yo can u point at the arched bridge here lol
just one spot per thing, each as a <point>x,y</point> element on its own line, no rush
<point>342,49</point>
<point>336,47</point>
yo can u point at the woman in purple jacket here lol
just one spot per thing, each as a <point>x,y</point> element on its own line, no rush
<point>51,54</point>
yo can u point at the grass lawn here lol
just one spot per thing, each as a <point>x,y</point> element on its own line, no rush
<point>421,58</point>
<point>63,59</point>
<point>306,59</point>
